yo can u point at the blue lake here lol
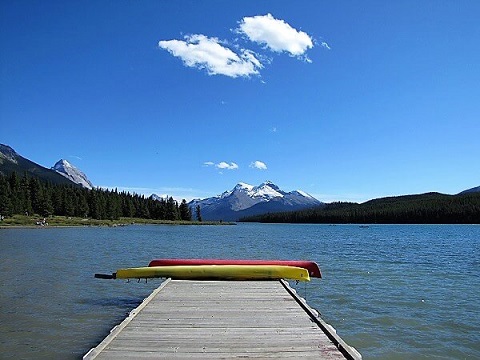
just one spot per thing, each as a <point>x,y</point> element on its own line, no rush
<point>391,291</point>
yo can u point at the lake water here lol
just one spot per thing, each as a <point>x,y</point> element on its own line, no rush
<point>391,291</point>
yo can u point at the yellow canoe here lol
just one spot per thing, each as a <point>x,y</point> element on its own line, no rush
<point>216,272</point>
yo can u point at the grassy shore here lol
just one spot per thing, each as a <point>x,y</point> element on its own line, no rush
<point>38,221</point>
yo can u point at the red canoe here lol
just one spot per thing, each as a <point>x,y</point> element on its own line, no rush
<point>311,266</point>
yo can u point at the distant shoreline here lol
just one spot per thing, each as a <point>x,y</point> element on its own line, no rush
<point>36,222</point>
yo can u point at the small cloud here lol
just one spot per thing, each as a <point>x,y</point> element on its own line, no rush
<point>276,34</point>
<point>221,165</point>
<point>202,52</point>
<point>325,45</point>
<point>227,166</point>
<point>258,165</point>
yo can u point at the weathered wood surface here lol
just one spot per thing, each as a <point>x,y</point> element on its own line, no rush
<point>222,319</point>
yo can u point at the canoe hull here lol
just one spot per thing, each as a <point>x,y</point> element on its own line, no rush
<point>216,272</point>
<point>311,266</point>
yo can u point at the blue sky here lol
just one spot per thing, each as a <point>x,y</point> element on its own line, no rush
<point>346,100</point>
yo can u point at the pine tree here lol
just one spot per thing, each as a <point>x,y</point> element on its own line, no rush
<point>143,213</point>
<point>69,202</point>
<point>57,200</point>
<point>5,195</point>
<point>128,209</point>
<point>37,195</point>
<point>82,209</point>
<point>113,206</point>
<point>198,213</point>
<point>47,207</point>
<point>25,197</point>
<point>15,191</point>
<point>94,204</point>
<point>185,213</point>
<point>172,210</point>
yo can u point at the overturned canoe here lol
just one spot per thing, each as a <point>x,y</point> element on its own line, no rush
<point>213,272</point>
<point>311,266</point>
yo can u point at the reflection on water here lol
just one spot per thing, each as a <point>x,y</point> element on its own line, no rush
<point>391,291</point>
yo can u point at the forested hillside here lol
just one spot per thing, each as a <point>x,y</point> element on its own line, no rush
<point>29,195</point>
<point>430,208</point>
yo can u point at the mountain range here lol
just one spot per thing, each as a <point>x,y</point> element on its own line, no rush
<point>242,201</point>
<point>61,173</point>
<point>247,200</point>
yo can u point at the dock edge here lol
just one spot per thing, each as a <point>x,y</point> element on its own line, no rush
<point>348,351</point>
<point>95,351</point>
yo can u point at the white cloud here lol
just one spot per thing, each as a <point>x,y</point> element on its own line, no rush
<point>225,165</point>
<point>222,165</point>
<point>258,165</point>
<point>230,59</point>
<point>325,45</point>
<point>201,52</point>
<point>276,34</point>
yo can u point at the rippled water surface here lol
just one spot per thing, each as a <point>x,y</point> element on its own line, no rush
<point>391,291</point>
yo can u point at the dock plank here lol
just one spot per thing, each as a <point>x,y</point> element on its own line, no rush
<point>222,319</point>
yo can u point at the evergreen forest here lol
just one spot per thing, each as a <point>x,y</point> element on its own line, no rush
<point>29,195</point>
<point>430,208</point>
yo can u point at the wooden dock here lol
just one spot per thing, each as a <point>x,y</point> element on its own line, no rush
<point>223,319</point>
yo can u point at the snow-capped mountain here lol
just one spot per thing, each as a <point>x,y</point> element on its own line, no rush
<point>246,200</point>
<point>63,167</point>
<point>159,197</point>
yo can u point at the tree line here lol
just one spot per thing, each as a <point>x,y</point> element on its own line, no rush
<point>430,208</point>
<point>29,195</point>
